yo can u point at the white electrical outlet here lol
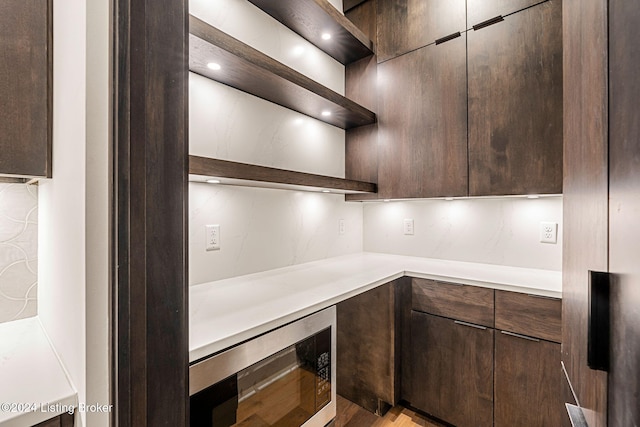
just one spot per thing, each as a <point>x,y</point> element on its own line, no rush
<point>549,232</point>
<point>212,237</point>
<point>341,227</point>
<point>408,227</point>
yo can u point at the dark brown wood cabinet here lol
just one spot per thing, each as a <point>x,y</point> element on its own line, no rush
<point>406,25</point>
<point>480,11</point>
<point>25,87</point>
<point>64,420</point>
<point>422,138</point>
<point>368,346</point>
<point>527,381</point>
<point>459,369</point>
<point>452,370</point>
<point>515,103</point>
<point>527,375</point>
<point>478,115</point>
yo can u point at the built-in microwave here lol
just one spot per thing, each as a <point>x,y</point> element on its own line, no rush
<point>284,378</point>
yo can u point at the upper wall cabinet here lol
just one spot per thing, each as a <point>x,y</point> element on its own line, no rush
<point>25,88</point>
<point>515,103</point>
<point>406,25</point>
<point>480,11</point>
<point>422,128</point>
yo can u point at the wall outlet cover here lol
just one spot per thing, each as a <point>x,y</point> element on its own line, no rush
<point>212,235</point>
<point>408,227</point>
<point>341,227</point>
<point>548,232</point>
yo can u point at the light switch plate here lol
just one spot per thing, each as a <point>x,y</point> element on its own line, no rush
<point>548,232</point>
<point>212,242</point>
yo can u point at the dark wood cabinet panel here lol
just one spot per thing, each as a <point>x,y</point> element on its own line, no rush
<point>26,87</point>
<point>368,343</point>
<point>422,132</point>
<point>530,315</point>
<point>469,303</point>
<point>527,382</point>
<point>406,25</point>
<point>452,367</point>
<point>361,143</point>
<point>479,11</point>
<point>64,420</point>
<point>585,198</point>
<point>624,209</point>
<point>515,104</point>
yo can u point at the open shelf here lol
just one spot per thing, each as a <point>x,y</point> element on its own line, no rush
<point>234,173</point>
<point>312,18</point>
<point>249,70</point>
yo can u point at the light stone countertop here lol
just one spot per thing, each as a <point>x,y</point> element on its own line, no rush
<point>226,312</point>
<point>30,373</point>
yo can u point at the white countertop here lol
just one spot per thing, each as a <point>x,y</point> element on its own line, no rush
<point>31,374</point>
<point>226,312</point>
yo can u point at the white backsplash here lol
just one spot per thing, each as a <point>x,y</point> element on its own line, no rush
<point>228,124</point>
<point>18,251</point>
<point>501,231</point>
<point>263,229</point>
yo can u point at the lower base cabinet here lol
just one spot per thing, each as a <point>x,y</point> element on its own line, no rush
<point>64,420</point>
<point>527,382</point>
<point>452,370</point>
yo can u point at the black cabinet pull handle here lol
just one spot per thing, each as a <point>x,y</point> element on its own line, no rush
<point>471,325</point>
<point>447,38</point>
<point>524,337</point>
<point>598,335</point>
<point>488,22</point>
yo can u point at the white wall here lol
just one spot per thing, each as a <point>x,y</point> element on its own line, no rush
<point>262,229</point>
<point>494,231</point>
<point>73,262</point>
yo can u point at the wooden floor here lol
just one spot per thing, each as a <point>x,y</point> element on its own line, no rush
<point>351,415</point>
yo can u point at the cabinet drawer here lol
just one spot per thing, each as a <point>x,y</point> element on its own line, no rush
<point>530,315</point>
<point>462,302</point>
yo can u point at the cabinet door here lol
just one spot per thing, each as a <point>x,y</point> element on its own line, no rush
<point>25,87</point>
<point>422,127</point>
<point>452,370</point>
<point>515,104</point>
<point>528,388</point>
<point>368,347</point>
<point>479,11</point>
<point>405,25</point>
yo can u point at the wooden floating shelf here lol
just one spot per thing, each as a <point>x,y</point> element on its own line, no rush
<point>234,173</point>
<point>312,18</point>
<point>249,70</point>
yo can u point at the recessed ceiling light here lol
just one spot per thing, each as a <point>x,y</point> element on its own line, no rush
<point>326,113</point>
<point>213,181</point>
<point>326,36</point>
<point>213,66</point>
